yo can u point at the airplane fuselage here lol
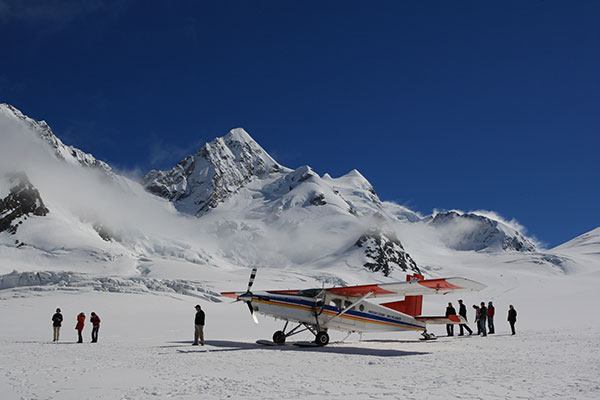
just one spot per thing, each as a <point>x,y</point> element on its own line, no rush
<point>364,317</point>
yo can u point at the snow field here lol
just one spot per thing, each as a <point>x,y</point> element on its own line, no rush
<point>145,351</point>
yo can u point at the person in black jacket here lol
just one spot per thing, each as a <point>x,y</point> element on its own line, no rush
<point>450,327</point>
<point>483,318</point>
<point>462,311</point>
<point>512,318</point>
<point>199,326</point>
<point>95,320</point>
<point>57,319</point>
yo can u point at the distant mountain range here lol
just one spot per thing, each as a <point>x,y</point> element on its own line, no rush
<point>229,204</point>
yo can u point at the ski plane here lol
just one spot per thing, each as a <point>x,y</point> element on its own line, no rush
<point>346,308</point>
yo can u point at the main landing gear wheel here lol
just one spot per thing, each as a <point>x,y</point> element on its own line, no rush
<point>279,337</point>
<point>322,338</point>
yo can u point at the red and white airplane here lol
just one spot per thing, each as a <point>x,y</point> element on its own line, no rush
<point>346,309</point>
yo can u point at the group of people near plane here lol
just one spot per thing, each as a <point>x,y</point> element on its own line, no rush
<point>484,315</point>
<point>57,320</point>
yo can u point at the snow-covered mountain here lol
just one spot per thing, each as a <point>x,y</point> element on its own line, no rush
<point>229,205</point>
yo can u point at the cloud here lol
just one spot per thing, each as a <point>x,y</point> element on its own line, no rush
<point>513,223</point>
<point>145,222</point>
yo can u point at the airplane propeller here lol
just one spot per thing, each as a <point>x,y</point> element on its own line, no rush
<point>247,297</point>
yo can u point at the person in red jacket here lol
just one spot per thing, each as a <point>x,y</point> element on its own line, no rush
<point>79,326</point>
<point>95,320</point>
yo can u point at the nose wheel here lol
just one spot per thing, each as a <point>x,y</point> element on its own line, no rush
<point>279,337</point>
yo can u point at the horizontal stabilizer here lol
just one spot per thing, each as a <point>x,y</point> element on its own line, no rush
<point>451,319</point>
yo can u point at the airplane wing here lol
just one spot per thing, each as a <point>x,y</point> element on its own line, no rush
<point>395,289</point>
<point>411,288</point>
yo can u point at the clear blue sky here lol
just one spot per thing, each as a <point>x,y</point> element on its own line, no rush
<point>470,105</point>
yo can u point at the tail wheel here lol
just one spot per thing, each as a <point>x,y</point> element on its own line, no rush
<point>322,338</point>
<point>279,337</point>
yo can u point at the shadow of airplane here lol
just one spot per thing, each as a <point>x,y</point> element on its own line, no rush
<point>227,345</point>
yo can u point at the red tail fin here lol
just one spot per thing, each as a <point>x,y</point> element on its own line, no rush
<point>411,305</point>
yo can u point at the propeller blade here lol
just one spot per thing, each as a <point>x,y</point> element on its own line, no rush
<point>252,312</point>
<point>251,281</point>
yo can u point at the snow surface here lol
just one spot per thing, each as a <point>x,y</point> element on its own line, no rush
<point>144,352</point>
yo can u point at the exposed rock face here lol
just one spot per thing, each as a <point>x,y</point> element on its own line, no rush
<point>22,201</point>
<point>221,167</point>
<point>386,253</point>
<point>476,232</point>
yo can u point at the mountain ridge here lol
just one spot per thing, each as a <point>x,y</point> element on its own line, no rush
<point>231,204</point>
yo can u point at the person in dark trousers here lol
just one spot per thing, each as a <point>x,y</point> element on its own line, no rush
<point>57,319</point>
<point>450,327</point>
<point>199,326</point>
<point>462,311</point>
<point>79,326</point>
<point>483,318</point>
<point>512,318</point>
<point>490,319</point>
<point>95,320</point>
<point>477,317</point>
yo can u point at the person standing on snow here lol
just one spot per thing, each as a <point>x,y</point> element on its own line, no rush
<point>57,319</point>
<point>477,317</point>
<point>490,319</point>
<point>79,326</point>
<point>483,318</point>
<point>95,320</point>
<point>199,326</point>
<point>512,318</point>
<point>462,311</point>
<point>450,327</point>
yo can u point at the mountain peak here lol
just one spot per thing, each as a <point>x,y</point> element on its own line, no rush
<point>240,135</point>
<point>211,175</point>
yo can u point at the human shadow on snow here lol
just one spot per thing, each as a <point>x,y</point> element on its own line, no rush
<point>227,345</point>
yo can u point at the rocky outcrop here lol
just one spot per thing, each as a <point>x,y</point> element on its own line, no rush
<point>385,253</point>
<point>22,201</point>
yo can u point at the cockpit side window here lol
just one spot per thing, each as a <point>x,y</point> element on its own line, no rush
<point>337,303</point>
